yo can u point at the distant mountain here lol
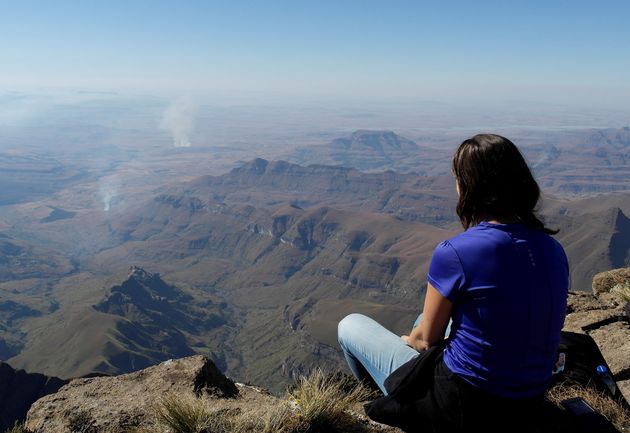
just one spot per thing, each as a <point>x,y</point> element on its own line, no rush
<point>155,307</point>
<point>575,164</point>
<point>263,183</point>
<point>595,232</point>
<point>137,323</point>
<point>383,142</point>
<point>369,150</point>
<point>566,163</point>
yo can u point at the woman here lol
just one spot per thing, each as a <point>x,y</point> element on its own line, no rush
<point>500,286</point>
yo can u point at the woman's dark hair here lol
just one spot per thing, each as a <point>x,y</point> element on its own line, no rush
<point>495,182</point>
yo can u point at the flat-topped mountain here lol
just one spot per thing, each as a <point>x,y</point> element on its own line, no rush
<point>380,141</point>
<point>372,150</point>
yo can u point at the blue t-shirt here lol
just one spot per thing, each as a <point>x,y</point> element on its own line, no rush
<point>508,284</point>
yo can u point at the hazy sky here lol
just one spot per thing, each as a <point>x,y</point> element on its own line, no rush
<point>561,51</point>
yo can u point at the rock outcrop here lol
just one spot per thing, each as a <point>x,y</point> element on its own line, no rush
<point>19,389</point>
<point>119,403</point>
<point>604,316</point>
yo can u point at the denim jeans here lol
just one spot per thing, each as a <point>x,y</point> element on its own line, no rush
<point>371,350</point>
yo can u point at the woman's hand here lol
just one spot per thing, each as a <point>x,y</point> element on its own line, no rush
<point>435,316</point>
<point>415,343</point>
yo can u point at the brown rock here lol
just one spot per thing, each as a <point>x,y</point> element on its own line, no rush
<point>624,387</point>
<point>118,403</point>
<point>604,281</point>
<point>585,309</point>
<point>602,316</point>
<point>582,301</point>
<point>574,322</point>
<point>614,342</point>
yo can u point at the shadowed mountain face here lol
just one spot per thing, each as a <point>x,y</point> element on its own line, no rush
<point>11,315</point>
<point>135,323</point>
<point>19,389</point>
<point>153,305</point>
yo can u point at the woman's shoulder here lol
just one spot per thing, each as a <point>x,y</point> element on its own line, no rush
<point>478,235</point>
<point>496,236</point>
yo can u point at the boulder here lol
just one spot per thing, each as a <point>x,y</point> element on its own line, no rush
<point>604,317</point>
<point>119,403</point>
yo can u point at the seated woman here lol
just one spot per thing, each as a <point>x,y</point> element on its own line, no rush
<point>500,286</point>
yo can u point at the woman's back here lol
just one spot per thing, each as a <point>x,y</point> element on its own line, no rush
<point>508,284</point>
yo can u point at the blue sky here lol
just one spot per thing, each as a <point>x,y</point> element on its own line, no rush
<point>398,50</point>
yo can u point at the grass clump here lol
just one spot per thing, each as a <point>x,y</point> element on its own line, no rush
<point>18,427</point>
<point>602,403</point>
<point>321,400</point>
<point>319,403</point>
<point>622,290</point>
<point>81,422</point>
<point>188,414</point>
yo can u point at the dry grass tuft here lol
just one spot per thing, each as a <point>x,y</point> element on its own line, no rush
<point>18,427</point>
<point>622,290</point>
<point>322,403</point>
<point>602,403</point>
<point>188,414</point>
<point>318,403</point>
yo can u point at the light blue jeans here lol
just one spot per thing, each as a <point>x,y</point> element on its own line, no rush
<point>371,350</point>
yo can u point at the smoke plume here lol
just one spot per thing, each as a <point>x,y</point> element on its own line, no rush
<point>107,191</point>
<point>178,119</point>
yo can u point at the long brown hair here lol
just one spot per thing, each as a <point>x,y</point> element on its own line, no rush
<point>495,182</point>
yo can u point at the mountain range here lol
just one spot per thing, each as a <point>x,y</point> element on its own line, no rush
<point>255,267</point>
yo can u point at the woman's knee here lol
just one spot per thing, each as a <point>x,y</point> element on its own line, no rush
<point>350,326</point>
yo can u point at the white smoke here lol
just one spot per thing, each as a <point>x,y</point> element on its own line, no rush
<point>107,190</point>
<point>178,119</point>
<point>107,201</point>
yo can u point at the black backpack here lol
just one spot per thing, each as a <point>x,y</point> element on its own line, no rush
<point>585,365</point>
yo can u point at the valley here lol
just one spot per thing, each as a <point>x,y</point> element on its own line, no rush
<point>253,259</point>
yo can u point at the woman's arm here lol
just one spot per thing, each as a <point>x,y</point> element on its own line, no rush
<point>432,326</point>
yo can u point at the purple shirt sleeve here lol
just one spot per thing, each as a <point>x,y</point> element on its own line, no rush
<point>445,272</point>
